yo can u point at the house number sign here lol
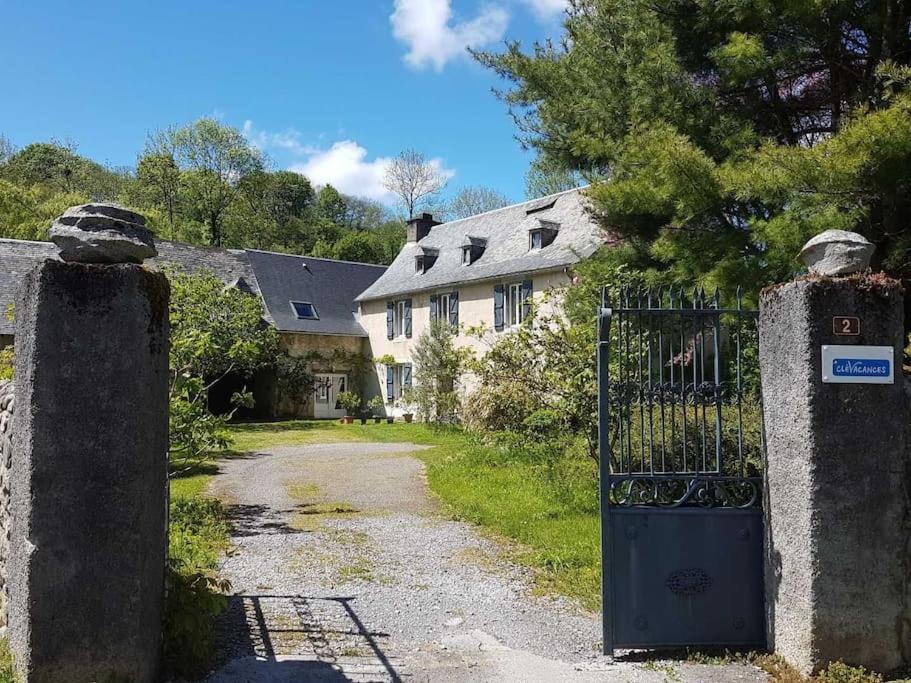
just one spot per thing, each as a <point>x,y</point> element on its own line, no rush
<point>845,364</point>
<point>846,325</point>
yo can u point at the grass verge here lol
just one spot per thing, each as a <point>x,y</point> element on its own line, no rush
<point>197,540</point>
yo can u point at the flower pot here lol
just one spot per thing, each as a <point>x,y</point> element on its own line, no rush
<point>390,420</point>
<point>408,417</point>
<point>349,419</point>
<point>363,420</point>
<point>376,419</point>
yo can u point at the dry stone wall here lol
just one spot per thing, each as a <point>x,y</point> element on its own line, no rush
<point>6,458</point>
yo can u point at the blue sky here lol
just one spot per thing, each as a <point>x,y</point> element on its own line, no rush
<point>331,88</point>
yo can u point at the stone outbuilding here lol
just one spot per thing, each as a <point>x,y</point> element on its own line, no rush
<point>309,301</point>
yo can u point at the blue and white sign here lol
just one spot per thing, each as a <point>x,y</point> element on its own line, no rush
<point>842,364</point>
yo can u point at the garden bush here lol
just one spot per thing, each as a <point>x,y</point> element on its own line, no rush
<point>198,537</point>
<point>6,363</point>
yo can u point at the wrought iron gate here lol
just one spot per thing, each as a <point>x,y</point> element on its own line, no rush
<point>680,428</point>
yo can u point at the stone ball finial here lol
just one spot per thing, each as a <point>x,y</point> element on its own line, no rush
<point>102,233</point>
<point>837,252</point>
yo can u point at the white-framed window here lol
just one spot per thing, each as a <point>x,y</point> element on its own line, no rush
<point>398,319</point>
<point>466,256</point>
<point>536,239</point>
<point>513,312</point>
<point>443,307</point>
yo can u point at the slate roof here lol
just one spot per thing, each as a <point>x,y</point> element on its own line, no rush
<point>329,285</point>
<point>17,257</point>
<point>506,254</point>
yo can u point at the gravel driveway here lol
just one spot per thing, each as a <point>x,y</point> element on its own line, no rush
<point>345,571</point>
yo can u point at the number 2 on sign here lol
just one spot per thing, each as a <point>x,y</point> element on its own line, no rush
<point>846,325</point>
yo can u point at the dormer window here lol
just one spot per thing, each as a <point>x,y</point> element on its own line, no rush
<point>304,310</point>
<point>424,261</point>
<point>472,249</point>
<point>542,235</point>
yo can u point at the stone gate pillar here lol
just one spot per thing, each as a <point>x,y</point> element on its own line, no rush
<point>89,472</point>
<point>837,505</point>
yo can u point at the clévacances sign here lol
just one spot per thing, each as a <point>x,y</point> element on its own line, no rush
<point>845,364</point>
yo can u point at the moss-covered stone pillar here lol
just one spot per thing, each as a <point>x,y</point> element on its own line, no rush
<point>837,499</point>
<point>89,467</point>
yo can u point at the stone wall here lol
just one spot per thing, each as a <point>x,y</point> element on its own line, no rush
<point>6,457</point>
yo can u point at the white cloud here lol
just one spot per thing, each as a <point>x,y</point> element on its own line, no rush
<point>346,167</point>
<point>546,10</point>
<point>427,28</point>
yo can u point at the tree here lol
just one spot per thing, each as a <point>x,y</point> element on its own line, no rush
<point>438,367</point>
<point>411,177</point>
<point>270,211</point>
<point>213,158</point>
<point>7,149</point>
<point>330,205</point>
<point>470,201</point>
<point>55,166</point>
<point>719,139</point>
<point>544,177</point>
<point>27,213</point>
<point>358,246</point>
<point>214,331</point>
<point>158,178</point>
<point>363,214</point>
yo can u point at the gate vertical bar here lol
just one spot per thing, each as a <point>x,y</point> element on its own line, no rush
<point>604,319</point>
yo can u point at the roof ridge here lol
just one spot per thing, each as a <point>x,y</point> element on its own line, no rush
<point>511,206</point>
<point>316,258</point>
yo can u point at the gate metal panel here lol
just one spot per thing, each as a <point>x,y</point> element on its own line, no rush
<point>681,498</point>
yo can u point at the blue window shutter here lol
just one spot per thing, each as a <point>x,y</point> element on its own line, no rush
<point>526,298</point>
<point>406,376</point>
<point>498,297</point>
<point>407,317</point>
<point>390,326</point>
<point>454,309</point>
<point>390,383</point>
<point>434,307</point>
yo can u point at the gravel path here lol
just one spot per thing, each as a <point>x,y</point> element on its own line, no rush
<point>344,571</point>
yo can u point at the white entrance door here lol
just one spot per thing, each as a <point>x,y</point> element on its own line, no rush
<point>325,395</point>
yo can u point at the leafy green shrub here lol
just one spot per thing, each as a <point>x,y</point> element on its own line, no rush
<point>205,348</point>
<point>839,672</point>
<point>198,537</point>
<point>6,363</point>
<point>497,406</point>
<point>7,674</point>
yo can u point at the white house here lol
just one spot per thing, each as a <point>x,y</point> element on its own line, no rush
<point>481,270</point>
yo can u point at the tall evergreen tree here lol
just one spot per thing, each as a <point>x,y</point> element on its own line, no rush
<point>722,135</point>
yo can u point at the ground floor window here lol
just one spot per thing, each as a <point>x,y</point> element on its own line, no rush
<point>398,378</point>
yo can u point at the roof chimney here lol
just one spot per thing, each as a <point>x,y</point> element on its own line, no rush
<point>419,227</point>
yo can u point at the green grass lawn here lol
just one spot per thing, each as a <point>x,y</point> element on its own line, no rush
<point>552,514</point>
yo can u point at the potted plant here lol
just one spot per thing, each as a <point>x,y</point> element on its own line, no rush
<point>351,402</point>
<point>407,405</point>
<point>376,404</point>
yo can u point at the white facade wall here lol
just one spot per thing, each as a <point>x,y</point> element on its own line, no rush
<point>476,307</point>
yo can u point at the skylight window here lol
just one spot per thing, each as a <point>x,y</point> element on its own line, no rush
<point>304,310</point>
